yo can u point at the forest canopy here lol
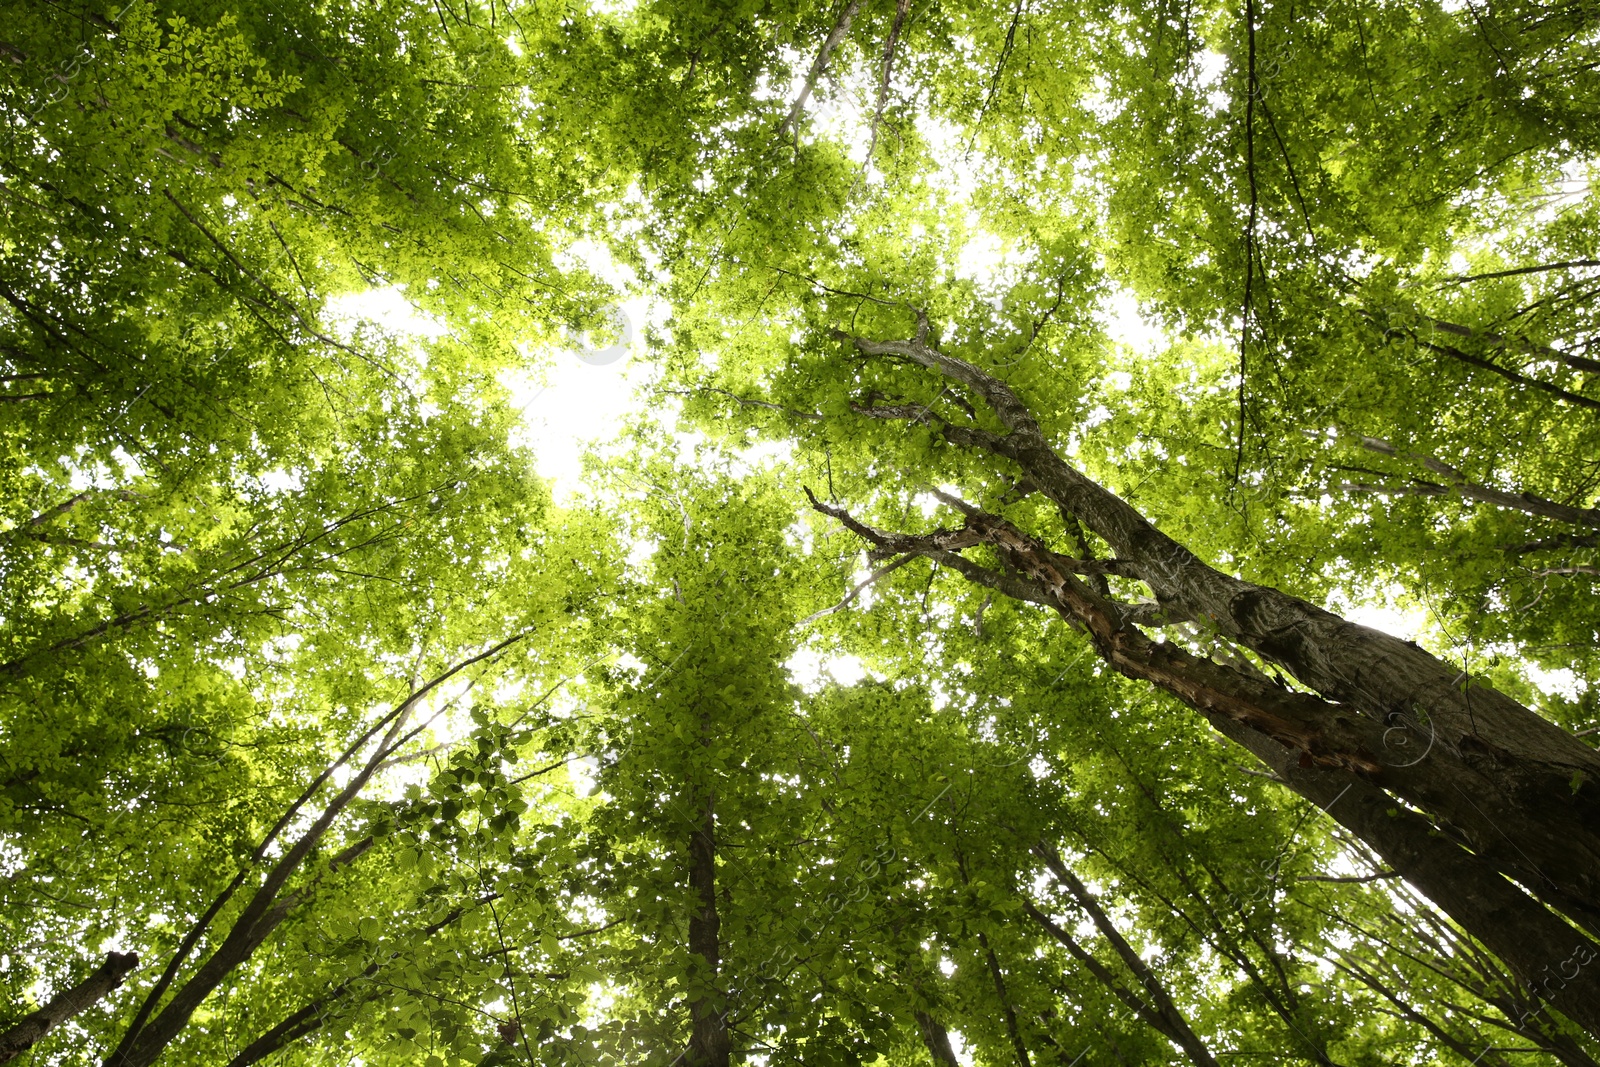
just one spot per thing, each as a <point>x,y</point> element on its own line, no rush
<point>1089,556</point>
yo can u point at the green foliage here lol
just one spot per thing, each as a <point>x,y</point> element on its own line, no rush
<point>244,535</point>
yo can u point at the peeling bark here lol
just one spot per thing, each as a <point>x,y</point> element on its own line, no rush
<point>1457,786</point>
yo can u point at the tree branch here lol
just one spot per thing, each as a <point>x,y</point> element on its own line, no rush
<point>144,1042</point>
<point>840,28</point>
<point>900,9</point>
<point>1172,1023</point>
<point>1531,503</point>
<point>856,590</point>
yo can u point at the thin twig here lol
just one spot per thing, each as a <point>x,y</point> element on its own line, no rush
<point>855,592</point>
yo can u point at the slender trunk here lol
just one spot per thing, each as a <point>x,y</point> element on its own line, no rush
<point>840,27</point>
<point>1555,962</point>
<point>264,913</point>
<point>1163,1012</point>
<point>1279,993</point>
<point>996,976</point>
<point>268,906</point>
<point>1221,907</point>
<point>1496,340</point>
<point>1465,1046</point>
<point>1576,399</point>
<point>1454,1042</point>
<point>311,1015</point>
<point>305,1021</point>
<point>32,1028</point>
<point>1504,792</point>
<point>709,1044</point>
<point>1013,1032</point>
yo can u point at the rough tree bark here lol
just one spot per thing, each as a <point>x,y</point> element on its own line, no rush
<point>33,1027</point>
<point>1465,792</point>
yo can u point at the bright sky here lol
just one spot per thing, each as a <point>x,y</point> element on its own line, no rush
<point>573,403</point>
<point>578,396</point>
<point>570,397</point>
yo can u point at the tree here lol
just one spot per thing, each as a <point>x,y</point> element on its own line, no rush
<point>1539,771</point>
<point>313,698</point>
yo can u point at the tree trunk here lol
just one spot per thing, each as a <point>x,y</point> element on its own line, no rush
<point>32,1028</point>
<point>1271,981</point>
<point>709,1045</point>
<point>1504,792</point>
<point>1557,963</point>
<point>1013,1031</point>
<point>305,1021</point>
<point>270,904</point>
<point>1156,1007</point>
<point>1170,1025</point>
<point>316,1011</point>
<point>937,1038</point>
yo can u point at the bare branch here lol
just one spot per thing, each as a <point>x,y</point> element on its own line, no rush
<point>1000,64</point>
<point>744,401</point>
<point>1526,270</point>
<point>1531,503</point>
<point>1355,879</point>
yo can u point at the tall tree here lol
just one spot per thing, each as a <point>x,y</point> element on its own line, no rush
<point>695,784</point>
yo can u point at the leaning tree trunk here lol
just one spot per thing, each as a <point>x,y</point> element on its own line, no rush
<point>1475,799</point>
<point>1148,997</point>
<point>156,1024</point>
<point>32,1028</point>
